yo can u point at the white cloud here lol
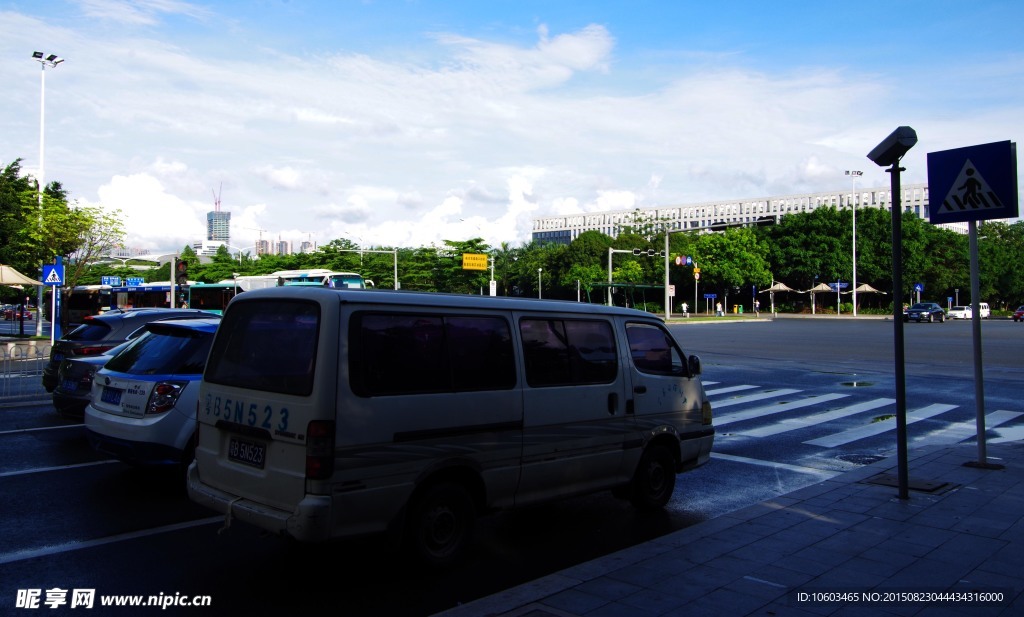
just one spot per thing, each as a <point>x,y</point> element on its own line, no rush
<point>452,136</point>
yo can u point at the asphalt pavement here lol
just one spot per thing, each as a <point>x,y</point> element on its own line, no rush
<point>845,546</point>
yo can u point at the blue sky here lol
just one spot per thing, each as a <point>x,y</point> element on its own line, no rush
<point>406,123</point>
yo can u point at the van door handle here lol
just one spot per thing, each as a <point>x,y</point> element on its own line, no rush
<point>640,389</point>
<point>613,403</point>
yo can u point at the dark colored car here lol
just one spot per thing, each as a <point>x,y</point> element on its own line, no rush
<point>925,311</point>
<point>74,381</point>
<point>99,333</point>
<point>1018,315</point>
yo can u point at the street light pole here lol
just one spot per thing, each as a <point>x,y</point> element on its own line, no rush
<point>44,60</point>
<point>539,282</point>
<point>853,204</point>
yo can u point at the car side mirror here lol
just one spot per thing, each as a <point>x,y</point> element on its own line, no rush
<point>693,364</point>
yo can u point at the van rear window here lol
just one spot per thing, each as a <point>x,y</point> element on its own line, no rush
<point>393,354</point>
<point>269,346</point>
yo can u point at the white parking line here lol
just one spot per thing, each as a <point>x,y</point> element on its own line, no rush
<point>67,547</point>
<point>40,428</point>
<point>25,472</point>
<point>774,465</point>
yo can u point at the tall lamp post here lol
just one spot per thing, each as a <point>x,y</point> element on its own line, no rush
<point>539,281</point>
<point>853,204</point>
<point>44,60</point>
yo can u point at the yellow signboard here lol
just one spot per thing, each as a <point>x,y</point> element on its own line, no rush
<point>473,261</point>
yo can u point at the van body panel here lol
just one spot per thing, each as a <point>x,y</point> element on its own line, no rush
<point>521,401</point>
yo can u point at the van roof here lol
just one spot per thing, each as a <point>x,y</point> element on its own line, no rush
<point>436,300</point>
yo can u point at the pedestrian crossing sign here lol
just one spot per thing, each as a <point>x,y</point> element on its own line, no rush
<point>53,275</point>
<point>973,184</point>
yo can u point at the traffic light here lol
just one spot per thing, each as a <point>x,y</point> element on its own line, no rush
<point>181,273</point>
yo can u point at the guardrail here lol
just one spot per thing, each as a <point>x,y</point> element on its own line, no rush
<point>21,368</point>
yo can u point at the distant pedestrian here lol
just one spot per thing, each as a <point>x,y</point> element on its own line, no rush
<point>686,309</point>
<point>757,308</point>
<point>718,310</point>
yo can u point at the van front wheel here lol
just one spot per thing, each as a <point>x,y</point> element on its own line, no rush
<point>441,526</point>
<point>654,479</point>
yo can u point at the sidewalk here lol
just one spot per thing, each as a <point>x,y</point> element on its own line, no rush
<point>961,530</point>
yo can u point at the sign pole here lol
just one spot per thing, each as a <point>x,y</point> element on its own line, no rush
<point>979,383</point>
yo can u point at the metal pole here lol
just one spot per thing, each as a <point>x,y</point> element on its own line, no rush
<point>41,181</point>
<point>610,250</point>
<point>668,298</point>
<point>897,319</point>
<point>979,383</point>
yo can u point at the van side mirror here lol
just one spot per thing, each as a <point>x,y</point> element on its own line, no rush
<point>693,364</point>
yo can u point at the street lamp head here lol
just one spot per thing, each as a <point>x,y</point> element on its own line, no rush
<point>46,60</point>
<point>893,147</point>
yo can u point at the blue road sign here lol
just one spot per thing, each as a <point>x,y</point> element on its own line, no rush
<point>113,281</point>
<point>710,296</point>
<point>53,275</point>
<point>976,183</point>
<point>918,287</point>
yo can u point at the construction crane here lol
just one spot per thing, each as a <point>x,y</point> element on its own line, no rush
<point>216,198</point>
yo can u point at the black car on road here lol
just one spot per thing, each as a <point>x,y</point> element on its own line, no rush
<point>925,311</point>
<point>100,333</point>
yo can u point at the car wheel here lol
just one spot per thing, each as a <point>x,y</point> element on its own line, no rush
<point>654,479</point>
<point>441,524</point>
<point>942,318</point>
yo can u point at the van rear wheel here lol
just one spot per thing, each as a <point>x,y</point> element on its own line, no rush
<point>654,480</point>
<point>441,524</point>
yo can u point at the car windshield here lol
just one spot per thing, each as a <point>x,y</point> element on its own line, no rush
<point>920,307</point>
<point>169,352</point>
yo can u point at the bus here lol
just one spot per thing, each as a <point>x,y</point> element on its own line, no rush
<point>212,297</point>
<point>148,295</point>
<point>85,300</point>
<point>316,276</point>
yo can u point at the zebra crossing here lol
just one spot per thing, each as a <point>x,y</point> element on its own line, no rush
<point>755,411</point>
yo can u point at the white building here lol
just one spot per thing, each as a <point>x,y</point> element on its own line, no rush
<point>564,229</point>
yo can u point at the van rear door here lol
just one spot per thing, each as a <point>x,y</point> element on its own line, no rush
<point>256,399</point>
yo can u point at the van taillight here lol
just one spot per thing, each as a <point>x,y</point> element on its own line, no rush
<point>319,450</point>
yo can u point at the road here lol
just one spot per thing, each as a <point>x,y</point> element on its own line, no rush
<point>795,402</point>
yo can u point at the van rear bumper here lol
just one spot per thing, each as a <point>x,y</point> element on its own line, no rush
<point>310,522</point>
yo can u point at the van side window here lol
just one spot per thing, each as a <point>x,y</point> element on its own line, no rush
<point>568,352</point>
<point>653,350</point>
<point>268,346</point>
<point>394,354</point>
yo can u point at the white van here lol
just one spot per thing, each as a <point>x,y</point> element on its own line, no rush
<point>333,413</point>
<point>983,310</point>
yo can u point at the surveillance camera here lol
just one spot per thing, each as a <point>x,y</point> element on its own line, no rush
<point>894,146</point>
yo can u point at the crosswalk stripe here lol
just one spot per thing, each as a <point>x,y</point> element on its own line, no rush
<point>728,390</point>
<point>959,431</point>
<point>750,398</point>
<point>792,424</point>
<point>767,410</point>
<point>877,428</point>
